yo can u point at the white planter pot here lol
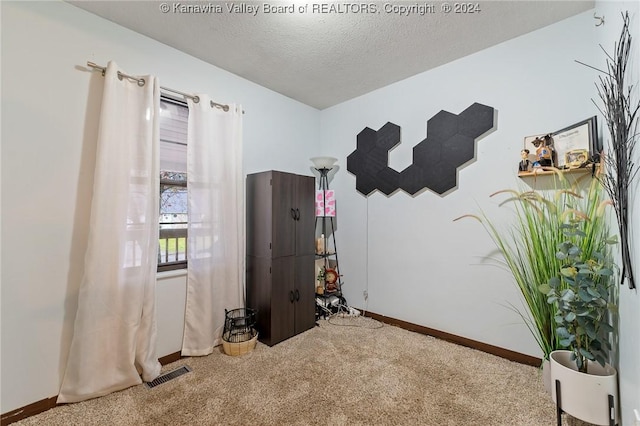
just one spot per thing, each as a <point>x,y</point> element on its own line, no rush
<point>584,396</point>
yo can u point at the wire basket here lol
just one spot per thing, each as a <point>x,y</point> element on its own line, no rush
<point>239,325</point>
<point>240,348</point>
<point>239,335</point>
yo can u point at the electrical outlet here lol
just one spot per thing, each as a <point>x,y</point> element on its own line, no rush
<point>365,294</point>
<point>636,412</point>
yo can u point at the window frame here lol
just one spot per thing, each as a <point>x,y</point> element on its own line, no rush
<point>180,233</point>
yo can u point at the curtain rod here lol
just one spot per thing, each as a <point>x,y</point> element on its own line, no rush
<point>141,82</point>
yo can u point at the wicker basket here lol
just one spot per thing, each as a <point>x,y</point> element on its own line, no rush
<point>240,348</point>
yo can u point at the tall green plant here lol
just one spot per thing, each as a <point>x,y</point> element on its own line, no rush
<point>529,244</point>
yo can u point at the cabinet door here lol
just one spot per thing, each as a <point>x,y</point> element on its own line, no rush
<point>305,205</point>
<point>283,214</point>
<point>259,214</point>
<point>259,293</point>
<point>282,299</point>
<point>305,308</point>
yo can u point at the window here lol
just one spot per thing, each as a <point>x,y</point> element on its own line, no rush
<point>172,244</point>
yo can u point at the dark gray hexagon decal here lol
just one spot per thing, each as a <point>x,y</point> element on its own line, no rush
<point>449,144</point>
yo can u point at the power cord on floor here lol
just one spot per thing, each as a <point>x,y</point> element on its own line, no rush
<point>344,319</point>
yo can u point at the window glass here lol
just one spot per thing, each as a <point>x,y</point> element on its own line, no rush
<point>172,244</point>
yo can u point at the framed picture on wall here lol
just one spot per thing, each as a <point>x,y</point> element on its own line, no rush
<point>576,144</point>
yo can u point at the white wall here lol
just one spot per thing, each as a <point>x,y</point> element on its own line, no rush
<point>629,354</point>
<point>50,105</point>
<point>414,262</point>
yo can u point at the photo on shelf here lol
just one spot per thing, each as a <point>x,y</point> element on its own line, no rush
<point>572,142</point>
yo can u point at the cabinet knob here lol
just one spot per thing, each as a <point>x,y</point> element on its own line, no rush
<point>291,298</point>
<point>293,213</point>
<point>297,295</point>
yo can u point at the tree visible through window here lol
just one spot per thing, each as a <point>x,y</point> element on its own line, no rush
<point>172,244</point>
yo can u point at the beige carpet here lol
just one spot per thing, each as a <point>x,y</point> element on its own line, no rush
<point>360,373</point>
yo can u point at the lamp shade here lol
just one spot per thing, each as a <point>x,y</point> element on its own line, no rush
<point>323,162</point>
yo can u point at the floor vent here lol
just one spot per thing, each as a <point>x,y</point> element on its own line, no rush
<point>168,376</point>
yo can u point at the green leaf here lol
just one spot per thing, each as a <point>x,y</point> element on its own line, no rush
<point>593,292</point>
<point>591,331</point>
<point>569,271</point>
<point>584,295</point>
<point>584,270</point>
<point>574,251</point>
<point>570,317</point>
<point>563,333</point>
<point>585,353</point>
<point>613,239</point>
<point>606,327</point>
<point>568,295</point>
<point>544,288</point>
<point>554,282</point>
<point>565,343</point>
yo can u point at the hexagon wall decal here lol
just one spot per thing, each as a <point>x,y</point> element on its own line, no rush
<point>450,144</point>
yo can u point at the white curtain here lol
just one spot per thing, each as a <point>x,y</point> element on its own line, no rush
<point>215,248</point>
<point>114,338</point>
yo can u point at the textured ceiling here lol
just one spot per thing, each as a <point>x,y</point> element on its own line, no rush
<point>333,52</point>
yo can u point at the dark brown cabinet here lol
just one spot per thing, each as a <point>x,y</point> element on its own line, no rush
<point>281,253</point>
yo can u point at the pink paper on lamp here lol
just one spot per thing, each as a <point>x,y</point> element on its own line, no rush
<point>329,202</point>
<point>319,203</point>
<point>326,203</point>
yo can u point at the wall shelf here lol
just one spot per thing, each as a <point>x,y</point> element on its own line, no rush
<point>545,171</point>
